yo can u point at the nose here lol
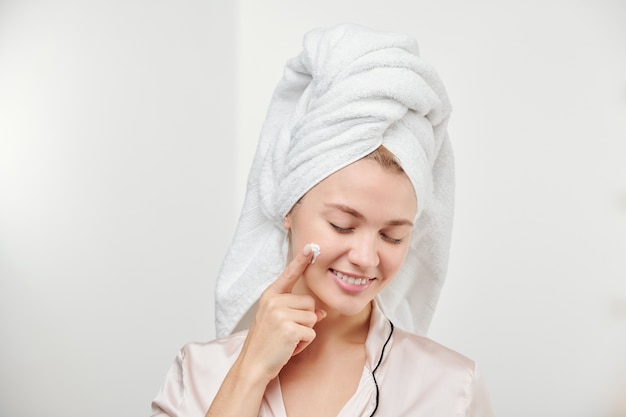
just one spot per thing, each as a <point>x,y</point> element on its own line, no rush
<point>364,251</point>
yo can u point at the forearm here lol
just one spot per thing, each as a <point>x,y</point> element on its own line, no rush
<point>241,393</point>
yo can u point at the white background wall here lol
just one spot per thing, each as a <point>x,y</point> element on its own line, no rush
<point>117,196</point>
<point>126,131</point>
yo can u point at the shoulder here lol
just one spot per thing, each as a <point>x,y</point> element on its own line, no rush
<point>440,380</point>
<point>196,375</point>
<point>208,362</point>
<point>430,359</point>
<point>224,348</point>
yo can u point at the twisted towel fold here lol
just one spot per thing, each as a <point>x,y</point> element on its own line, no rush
<point>350,90</point>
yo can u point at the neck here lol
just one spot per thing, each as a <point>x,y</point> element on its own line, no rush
<point>352,329</point>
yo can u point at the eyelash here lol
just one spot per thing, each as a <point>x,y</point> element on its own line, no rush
<point>382,235</point>
<point>341,229</point>
<point>390,239</point>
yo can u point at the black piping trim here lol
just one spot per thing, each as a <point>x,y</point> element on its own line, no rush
<point>382,354</point>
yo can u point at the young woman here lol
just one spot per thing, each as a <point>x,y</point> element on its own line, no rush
<point>340,251</point>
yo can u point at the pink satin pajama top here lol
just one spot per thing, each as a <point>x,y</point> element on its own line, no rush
<point>414,377</point>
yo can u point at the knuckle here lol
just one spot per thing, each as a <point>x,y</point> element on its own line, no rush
<point>271,302</point>
<point>309,334</point>
<point>280,316</point>
<point>287,327</point>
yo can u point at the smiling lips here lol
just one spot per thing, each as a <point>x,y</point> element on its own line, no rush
<point>350,280</point>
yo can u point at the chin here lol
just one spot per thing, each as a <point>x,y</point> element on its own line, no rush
<point>344,305</point>
<point>349,312</point>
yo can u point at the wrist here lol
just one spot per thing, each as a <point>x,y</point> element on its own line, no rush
<point>250,373</point>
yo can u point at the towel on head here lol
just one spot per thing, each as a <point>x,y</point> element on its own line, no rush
<point>350,91</point>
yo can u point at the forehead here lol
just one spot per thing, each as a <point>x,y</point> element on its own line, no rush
<point>366,185</point>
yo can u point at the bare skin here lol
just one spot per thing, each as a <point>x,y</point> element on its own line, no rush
<point>282,328</point>
<point>321,379</point>
<point>318,377</point>
<point>311,324</point>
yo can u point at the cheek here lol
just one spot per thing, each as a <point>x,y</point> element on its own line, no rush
<point>393,260</point>
<point>309,230</point>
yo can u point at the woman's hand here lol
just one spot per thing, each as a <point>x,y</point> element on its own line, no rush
<point>283,325</point>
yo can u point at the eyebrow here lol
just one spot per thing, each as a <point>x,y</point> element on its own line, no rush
<point>349,210</point>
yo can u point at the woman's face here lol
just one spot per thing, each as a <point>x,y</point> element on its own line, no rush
<point>361,217</point>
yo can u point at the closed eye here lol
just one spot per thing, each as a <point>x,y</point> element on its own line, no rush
<point>341,229</point>
<point>390,239</point>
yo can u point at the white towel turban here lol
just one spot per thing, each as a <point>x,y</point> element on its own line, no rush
<point>350,91</point>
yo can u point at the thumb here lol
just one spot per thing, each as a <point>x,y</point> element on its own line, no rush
<point>321,315</point>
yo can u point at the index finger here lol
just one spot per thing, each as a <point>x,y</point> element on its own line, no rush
<point>286,281</point>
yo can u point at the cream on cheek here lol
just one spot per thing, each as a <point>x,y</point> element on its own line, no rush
<point>315,248</point>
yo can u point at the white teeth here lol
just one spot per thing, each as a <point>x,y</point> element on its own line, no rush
<point>351,280</point>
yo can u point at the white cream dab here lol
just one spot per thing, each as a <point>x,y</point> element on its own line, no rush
<point>315,248</point>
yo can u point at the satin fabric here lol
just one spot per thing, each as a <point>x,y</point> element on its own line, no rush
<point>416,377</point>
